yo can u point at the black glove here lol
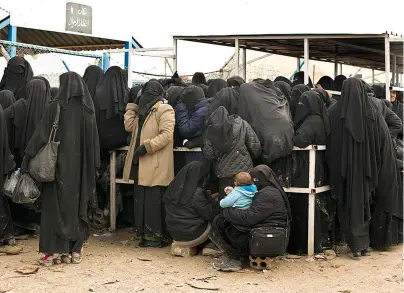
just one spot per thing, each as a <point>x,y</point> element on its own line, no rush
<point>189,144</point>
<point>24,164</point>
<point>140,151</point>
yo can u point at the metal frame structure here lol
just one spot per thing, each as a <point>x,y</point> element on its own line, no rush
<point>312,190</point>
<point>362,50</point>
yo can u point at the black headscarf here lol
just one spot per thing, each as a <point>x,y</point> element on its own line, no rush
<point>172,95</point>
<point>204,87</point>
<point>310,103</point>
<point>235,81</point>
<point>326,83</point>
<point>16,75</point>
<point>338,81</point>
<point>285,89</point>
<point>220,130</point>
<point>284,79</point>
<point>299,79</point>
<point>191,96</point>
<point>132,96</point>
<point>183,187</point>
<point>264,176</point>
<point>297,91</point>
<point>324,96</point>
<point>92,77</point>
<point>72,85</point>
<point>199,78</point>
<point>152,92</point>
<point>111,92</point>
<point>228,98</point>
<point>37,101</point>
<point>54,92</point>
<point>378,90</point>
<point>48,87</point>
<point>6,98</point>
<point>215,86</point>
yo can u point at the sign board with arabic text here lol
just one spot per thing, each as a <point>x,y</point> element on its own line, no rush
<point>79,18</point>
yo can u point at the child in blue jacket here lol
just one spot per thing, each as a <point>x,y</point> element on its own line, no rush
<point>242,195</point>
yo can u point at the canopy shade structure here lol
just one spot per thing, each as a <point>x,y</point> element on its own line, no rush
<point>361,50</point>
<point>59,40</point>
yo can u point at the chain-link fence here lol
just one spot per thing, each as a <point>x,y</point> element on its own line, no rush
<point>49,62</point>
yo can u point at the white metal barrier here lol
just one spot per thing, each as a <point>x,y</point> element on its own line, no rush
<point>312,190</point>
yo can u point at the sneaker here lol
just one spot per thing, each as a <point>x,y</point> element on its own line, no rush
<point>211,251</point>
<point>229,265</point>
<point>66,258</point>
<point>366,252</point>
<point>355,255</point>
<point>46,260</point>
<point>76,258</point>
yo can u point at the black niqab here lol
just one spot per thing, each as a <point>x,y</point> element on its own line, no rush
<point>299,79</point>
<point>310,103</point>
<point>379,91</point>
<point>16,75</point>
<point>47,84</point>
<point>172,95</point>
<point>220,130</point>
<point>215,86</point>
<point>284,79</point>
<point>264,176</point>
<point>6,99</point>
<point>191,96</point>
<point>228,98</point>
<point>36,102</point>
<point>338,81</point>
<point>297,91</point>
<point>235,81</point>
<point>92,77</point>
<point>199,78</point>
<point>151,94</point>
<point>133,95</point>
<point>111,92</point>
<point>285,89</point>
<point>326,83</point>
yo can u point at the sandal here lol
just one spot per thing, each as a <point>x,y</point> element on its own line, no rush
<point>76,258</point>
<point>66,258</point>
<point>10,250</point>
<point>46,260</point>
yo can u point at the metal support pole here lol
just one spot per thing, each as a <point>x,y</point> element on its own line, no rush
<point>175,55</point>
<point>126,59</point>
<point>244,75</point>
<point>112,195</point>
<point>336,67</point>
<point>306,61</point>
<point>387,66</point>
<point>298,66</point>
<point>394,75</point>
<point>12,37</point>
<point>105,61</point>
<point>340,68</point>
<point>402,74</point>
<point>237,56</point>
<point>312,202</point>
<point>129,67</point>
<point>373,76</point>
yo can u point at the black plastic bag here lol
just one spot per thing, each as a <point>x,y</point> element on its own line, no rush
<point>26,190</point>
<point>11,183</point>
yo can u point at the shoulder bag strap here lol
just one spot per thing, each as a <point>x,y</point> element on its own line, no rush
<point>55,125</point>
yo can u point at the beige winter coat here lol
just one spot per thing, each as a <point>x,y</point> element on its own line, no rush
<point>156,168</point>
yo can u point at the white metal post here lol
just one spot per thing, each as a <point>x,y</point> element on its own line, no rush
<point>112,190</point>
<point>340,68</point>
<point>244,64</point>
<point>175,55</point>
<point>237,56</point>
<point>394,75</point>
<point>130,68</point>
<point>306,61</point>
<point>373,76</point>
<point>312,202</point>
<point>298,65</point>
<point>387,66</point>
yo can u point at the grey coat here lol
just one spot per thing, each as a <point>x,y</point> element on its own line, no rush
<point>245,147</point>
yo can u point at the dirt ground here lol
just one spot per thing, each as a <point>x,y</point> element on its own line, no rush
<point>116,264</point>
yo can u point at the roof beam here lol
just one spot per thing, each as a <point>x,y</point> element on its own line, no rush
<point>381,52</point>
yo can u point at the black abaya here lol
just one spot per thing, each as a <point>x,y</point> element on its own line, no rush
<point>215,86</point>
<point>6,99</point>
<point>7,164</point>
<point>65,201</point>
<point>92,77</point>
<point>362,164</point>
<point>16,75</point>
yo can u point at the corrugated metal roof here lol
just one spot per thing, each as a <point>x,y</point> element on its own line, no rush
<point>75,42</point>
<point>357,50</point>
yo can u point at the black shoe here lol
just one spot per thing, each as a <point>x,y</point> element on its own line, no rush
<point>355,255</point>
<point>366,252</point>
<point>229,265</point>
<point>152,244</point>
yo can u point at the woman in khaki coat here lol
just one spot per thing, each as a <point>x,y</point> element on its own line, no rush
<point>150,155</point>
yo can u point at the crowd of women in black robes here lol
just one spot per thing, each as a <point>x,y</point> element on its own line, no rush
<point>361,209</point>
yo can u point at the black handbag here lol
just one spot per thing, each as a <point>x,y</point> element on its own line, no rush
<point>269,241</point>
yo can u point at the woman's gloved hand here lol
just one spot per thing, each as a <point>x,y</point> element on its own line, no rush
<point>140,151</point>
